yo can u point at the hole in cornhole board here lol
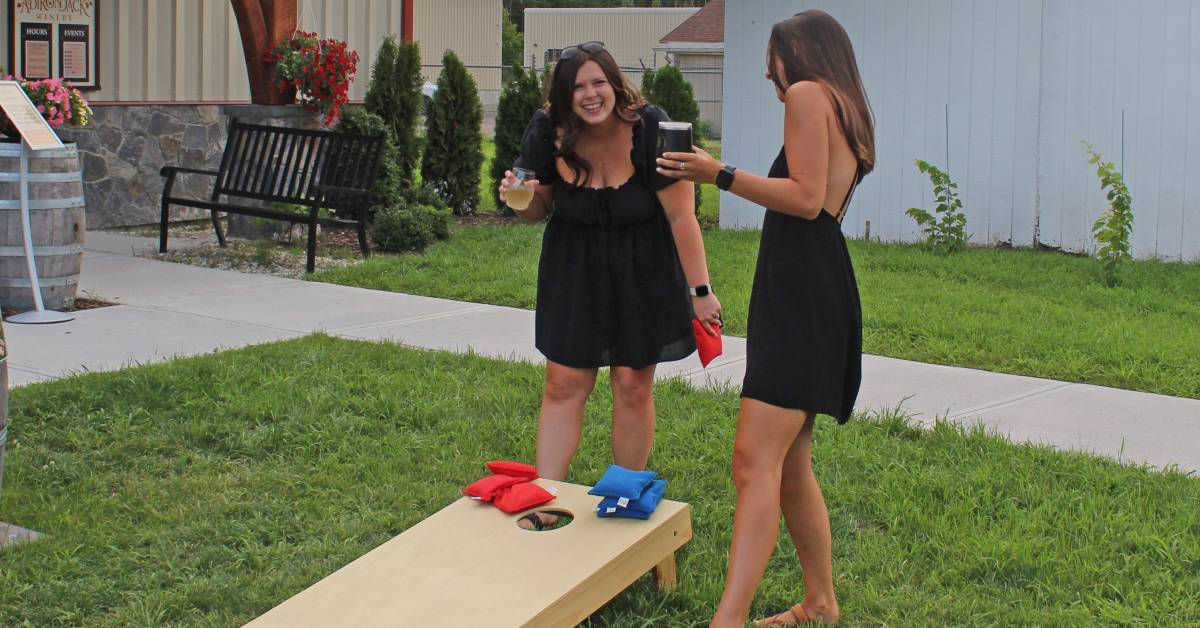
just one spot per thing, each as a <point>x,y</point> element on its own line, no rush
<point>564,517</point>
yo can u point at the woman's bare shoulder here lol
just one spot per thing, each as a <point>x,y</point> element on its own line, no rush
<point>809,97</point>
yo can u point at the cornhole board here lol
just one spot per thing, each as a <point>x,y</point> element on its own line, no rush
<point>470,565</point>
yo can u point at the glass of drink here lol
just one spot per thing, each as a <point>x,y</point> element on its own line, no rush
<point>521,193</point>
<point>674,137</point>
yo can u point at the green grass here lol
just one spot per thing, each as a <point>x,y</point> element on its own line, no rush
<point>208,490</point>
<point>1012,311</point>
<point>487,202</point>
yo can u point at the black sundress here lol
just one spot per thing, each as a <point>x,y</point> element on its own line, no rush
<point>804,335</point>
<point>611,290</point>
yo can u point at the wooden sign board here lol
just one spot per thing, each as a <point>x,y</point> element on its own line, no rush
<point>24,115</point>
<point>470,565</point>
<point>54,39</point>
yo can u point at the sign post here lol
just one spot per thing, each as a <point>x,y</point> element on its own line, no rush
<point>36,134</point>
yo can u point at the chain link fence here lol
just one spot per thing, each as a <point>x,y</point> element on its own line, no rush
<point>707,85</point>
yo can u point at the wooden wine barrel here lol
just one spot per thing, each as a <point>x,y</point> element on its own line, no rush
<point>56,212</point>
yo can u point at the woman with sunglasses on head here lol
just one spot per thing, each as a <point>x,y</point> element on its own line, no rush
<point>620,254</point>
<point>804,340</point>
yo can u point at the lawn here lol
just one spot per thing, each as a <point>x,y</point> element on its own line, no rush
<point>1013,311</point>
<point>207,490</point>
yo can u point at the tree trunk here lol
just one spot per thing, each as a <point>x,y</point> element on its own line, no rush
<point>263,25</point>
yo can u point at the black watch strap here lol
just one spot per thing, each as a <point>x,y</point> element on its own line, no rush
<point>725,177</point>
<point>699,291</point>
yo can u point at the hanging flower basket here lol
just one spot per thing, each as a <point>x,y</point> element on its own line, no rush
<point>321,70</point>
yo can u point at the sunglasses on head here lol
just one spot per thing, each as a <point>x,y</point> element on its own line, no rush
<point>591,47</point>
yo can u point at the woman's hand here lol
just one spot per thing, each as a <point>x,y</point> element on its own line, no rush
<point>509,181</point>
<point>699,166</point>
<point>708,312</point>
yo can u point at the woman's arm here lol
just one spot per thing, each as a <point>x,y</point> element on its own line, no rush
<point>807,111</point>
<point>679,203</point>
<point>538,207</point>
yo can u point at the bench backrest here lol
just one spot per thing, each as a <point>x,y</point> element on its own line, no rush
<point>286,165</point>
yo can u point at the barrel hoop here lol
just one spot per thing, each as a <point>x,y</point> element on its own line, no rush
<point>42,251</point>
<point>66,152</point>
<point>45,203</point>
<point>45,282</point>
<point>42,177</point>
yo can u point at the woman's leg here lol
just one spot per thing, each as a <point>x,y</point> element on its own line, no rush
<point>561,421</point>
<point>808,522</point>
<point>633,415</point>
<point>764,436</point>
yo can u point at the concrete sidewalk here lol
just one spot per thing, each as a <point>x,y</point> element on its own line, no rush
<point>171,309</point>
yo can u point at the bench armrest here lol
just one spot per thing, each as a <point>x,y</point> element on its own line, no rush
<point>170,170</point>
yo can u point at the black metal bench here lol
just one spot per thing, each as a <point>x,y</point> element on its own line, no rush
<point>318,170</point>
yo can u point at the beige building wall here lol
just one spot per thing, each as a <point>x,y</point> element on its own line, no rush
<point>191,50</point>
<point>469,27</point>
<point>630,35</point>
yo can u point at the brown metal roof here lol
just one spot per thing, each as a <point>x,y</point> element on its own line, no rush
<point>706,25</point>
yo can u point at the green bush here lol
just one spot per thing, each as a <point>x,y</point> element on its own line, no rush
<point>403,227</point>
<point>522,96</point>
<point>395,96</point>
<point>391,184</point>
<point>453,141</point>
<point>948,233</point>
<point>1113,228</point>
<point>667,89</point>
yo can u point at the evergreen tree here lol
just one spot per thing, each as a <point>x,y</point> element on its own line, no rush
<point>672,92</point>
<point>648,85</point>
<point>380,98</point>
<point>522,96</point>
<point>390,184</point>
<point>410,103</point>
<point>395,96</point>
<point>453,141</point>
<point>512,42</point>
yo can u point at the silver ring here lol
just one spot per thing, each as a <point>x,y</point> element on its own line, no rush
<point>683,165</point>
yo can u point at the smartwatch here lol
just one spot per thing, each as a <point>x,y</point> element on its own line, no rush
<point>699,291</point>
<point>725,177</point>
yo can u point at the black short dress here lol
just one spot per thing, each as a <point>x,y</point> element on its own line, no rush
<point>804,336</point>
<point>611,291</point>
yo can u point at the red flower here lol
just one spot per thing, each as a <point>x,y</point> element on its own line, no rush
<point>320,69</point>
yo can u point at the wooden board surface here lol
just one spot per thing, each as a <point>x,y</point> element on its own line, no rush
<point>470,565</point>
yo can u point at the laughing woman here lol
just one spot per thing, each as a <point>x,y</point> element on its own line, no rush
<point>804,340</point>
<point>620,254</point>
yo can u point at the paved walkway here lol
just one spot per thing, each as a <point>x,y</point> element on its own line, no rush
<point>169,309</point>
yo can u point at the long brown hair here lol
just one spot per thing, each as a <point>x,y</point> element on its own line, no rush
<point>560,95</point>
<point>814,47</point>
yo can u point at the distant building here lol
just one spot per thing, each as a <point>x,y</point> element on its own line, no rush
<point>629,34</point>
<point>697,47</point>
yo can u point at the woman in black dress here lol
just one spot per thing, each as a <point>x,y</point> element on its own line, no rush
<point>620,252</point>
<point>804,340</point>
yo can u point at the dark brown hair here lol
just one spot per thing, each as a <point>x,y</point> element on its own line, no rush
<point>559,97</point>
<point>814,47</point>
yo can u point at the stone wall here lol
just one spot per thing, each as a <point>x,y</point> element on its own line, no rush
<point>126,145</point>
